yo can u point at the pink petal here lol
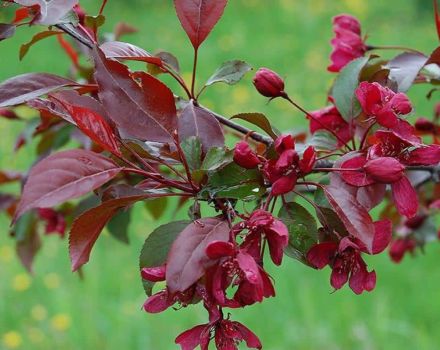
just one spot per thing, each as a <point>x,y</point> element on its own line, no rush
<point>219,249</point>
<point>249,337</point>
<point>284,185</point>
<point>405,197</point>
<point>190,339</point>
<point>277,238</point>
<point>425,156</point>
<point>321,254</point>
<point>249,267</point>
<point>154,274</point>
<point>382,236</point>
<point>356,178</point>
<point>157,303</point>
<point>338,278</point>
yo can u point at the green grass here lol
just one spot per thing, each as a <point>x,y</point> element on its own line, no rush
<point>55,310</point>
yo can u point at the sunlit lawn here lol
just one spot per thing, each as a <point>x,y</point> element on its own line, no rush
<point>56,310</point>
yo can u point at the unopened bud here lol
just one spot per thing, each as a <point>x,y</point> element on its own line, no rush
<point>384,169</point>
<point>245,156</point>
<point>424,125</point>
<point>268,83</point>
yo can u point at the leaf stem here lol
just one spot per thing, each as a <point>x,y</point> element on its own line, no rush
<point>193,82</point>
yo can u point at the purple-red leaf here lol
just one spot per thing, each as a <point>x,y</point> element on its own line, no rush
<point>64,176</point>
<point>198,17</point>
<point>146,111</point>
<point>50,12</point>
<point>36,38</point>
<point>94,126</point>
<point>355,217</point>
<point>405,67</point>
<point>196,121</point>
<point>125,51</point>
<point>6,31</point>
<point>26,87</point>
<point>437,18</point>
<point>187,258</point>
<point>87,227</point>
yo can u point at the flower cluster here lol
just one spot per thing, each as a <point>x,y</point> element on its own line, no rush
<point>282,171</point>
<point>347,43</point>
<point>235,264</point>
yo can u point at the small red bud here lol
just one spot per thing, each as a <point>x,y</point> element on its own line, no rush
<point>424,125</point>
<point>384,169</point>
<point>268,83</point>
<point>245,156</point>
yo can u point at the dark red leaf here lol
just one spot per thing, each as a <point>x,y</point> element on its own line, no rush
<point>95,127</point>
<point>6,31</point>
<point>405,67</point>
<point>26,87</point>
<point>198,17</point>
<point>87,227</point>
<point>36,38</point>
<point>125,51</point>
<point>196,121</point>
<point>354,216</point>
<point>187,258</point>
<point>147,112</point>
<point>64,176</point>
<point>50,12</point>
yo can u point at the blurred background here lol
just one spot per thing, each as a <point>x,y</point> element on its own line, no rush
<point>54,309</point>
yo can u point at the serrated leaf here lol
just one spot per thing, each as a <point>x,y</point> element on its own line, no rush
<point>230,73</point>
<point>303,231</point>
<point>259,120</point>
<point>157,246</point>
<point>192,150</point>
<point>216,158</point>
<point>26,87</point>
<point>355,217</point>
<point>36,38</point>
<point>187,259</point>
<point>405,67</point>
<point>198,17</point>
<point>344,88</point>
<point>88,226</point>
<point>196,121</point>
<point>146,112</point>
<point>64,176</point>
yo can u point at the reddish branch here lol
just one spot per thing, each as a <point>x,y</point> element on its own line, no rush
<point>433,170</point>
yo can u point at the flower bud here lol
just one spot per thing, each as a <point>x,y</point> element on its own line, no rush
<point>268,83</point>
<point>154,274</point>
<point>384,169</point>
<point>424,125</point>
<point>245,156</point>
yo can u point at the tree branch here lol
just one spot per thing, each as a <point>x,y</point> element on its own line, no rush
<point>434,170</point>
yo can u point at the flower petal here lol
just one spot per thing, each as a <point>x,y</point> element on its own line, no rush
<point>405,197</point>
<point>321,254</point>
<point>191,338</point>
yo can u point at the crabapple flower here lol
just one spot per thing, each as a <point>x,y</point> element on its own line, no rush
<point>284,171</point>
<point>346,261</point>
<point>362,172</point>
<point>269,84</point>
<point>226,334</point>
<point>384,169</point>
<point>245,156</point>
<point>55,222</point>
<point>347,43</point>
<point>400,247</point>
<point>275,231</point>
<point>382,103</point>
<point>236,267</point>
